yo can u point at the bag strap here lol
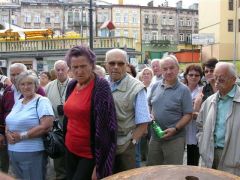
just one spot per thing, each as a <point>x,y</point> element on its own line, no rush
<point>37,107</point>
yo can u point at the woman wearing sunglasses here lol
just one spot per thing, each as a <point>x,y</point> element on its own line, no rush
<point>192,76</point>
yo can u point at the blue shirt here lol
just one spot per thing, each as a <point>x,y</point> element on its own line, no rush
<point>142,114</point>
<point>24,117</point>
<point>223,111</point>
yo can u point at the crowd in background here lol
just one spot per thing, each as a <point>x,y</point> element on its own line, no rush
<point>106,114</point>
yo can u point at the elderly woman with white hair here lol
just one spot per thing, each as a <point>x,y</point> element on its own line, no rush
<point>31,117</point>
<point>146,78</point>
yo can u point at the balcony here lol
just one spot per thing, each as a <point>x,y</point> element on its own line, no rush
<point>160,42</point>
<point>65,44</point>
<point>185,42</point>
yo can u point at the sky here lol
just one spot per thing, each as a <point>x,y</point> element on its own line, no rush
<point>172,3</point>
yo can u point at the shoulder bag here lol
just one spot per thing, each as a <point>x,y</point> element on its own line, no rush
<point>53,140</point>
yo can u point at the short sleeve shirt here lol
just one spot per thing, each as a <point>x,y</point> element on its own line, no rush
<point>170,104</point>
<point>24,117</point>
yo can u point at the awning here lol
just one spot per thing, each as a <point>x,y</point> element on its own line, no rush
<point>108,24</point>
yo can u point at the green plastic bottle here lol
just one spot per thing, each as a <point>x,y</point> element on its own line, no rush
<point>158,131</point>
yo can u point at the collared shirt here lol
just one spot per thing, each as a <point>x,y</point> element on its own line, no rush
<point>142,114</point>
<point>223,111</point>
<point>169,104</point>
<point>56,93</point>
<point>17,93</point>
<point>62,87</point>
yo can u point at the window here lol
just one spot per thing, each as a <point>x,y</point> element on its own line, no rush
<point>146,19</point>
<point>164,37</point>
<point>189,38</point>
<point>76,17</point>
<point>171,21</point>
<point>181,22</point>
<point>125,33</point>
<point>70,17</point>
<point>230,25</point>
<point>154,19</point>
<point>154,35</point>
<point>196,24</point>
<point>134,19</point>
<point>181,37</point>
<point>230,5</point>
<point>163,20</point>
<point>4,18</point>
<point>37,19</point>
<point>125,18</point>
<point>48,18</point>
<point>57,18</point>
<point>170,37</point>
<point>188,22</point>
<point>146,36</point>
<point>27,18</point>
<point>118,17</point>
<point>84,17</point>
<point>14,21</point>
<point>135,34</point>
<point>117,33</point>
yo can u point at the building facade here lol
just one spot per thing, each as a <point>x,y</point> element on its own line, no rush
<point>77,17</point>
<point>42,15</point>
<point>222,20</point>
<point>167,29</point>
<point>127,21</point>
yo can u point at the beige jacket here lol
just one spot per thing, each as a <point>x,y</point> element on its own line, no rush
<point>230,160</point>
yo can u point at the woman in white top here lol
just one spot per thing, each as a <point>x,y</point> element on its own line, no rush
<point>193,75</point>
<point>146,78</point>
<point>31,117</point>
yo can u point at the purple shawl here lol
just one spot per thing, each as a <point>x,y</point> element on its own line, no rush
<point>103,124</point>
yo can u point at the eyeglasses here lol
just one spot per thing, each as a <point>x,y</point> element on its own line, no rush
<point>120,64</point>
<point>209,71</point>
<point>221,79</point>
<point>195,75</point>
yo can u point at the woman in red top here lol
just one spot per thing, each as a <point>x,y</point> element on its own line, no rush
<point>90,119</point>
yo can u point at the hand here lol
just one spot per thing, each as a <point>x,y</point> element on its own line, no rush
<point>152,116</point>
<point>12,137</point>
<point>169,133</point>
<point>94,174</point>
<point>198,102</point>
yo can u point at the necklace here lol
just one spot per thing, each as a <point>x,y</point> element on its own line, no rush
<point>26,100</point>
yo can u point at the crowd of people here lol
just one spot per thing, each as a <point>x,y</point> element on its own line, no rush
<point>106,118</point>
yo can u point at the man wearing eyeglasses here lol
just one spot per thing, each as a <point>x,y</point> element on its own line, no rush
<point>218,123</point>
<point>131,106</point>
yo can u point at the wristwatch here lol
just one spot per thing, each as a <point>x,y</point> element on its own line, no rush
<point>134,141</point>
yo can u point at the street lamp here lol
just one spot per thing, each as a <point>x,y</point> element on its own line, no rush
<point>90,25</point>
